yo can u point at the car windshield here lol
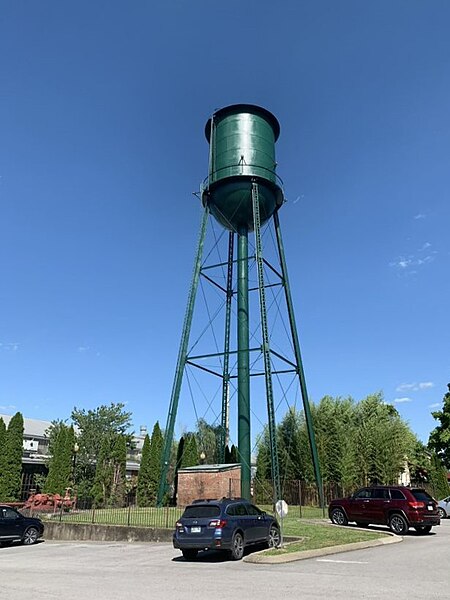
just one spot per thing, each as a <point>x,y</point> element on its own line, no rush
<point>199,511</point>
<point>421,495</point>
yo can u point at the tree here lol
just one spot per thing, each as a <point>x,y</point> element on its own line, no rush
<point>208,439</point>
<point>156,449</point>
<point>60,466</point>
<point>109,482</point>
<point>2,435</point>
<point>11,460</point>
<point>439,440</point>
<point>142,492</point>
<point>190,451</point>
<point>93,428</point>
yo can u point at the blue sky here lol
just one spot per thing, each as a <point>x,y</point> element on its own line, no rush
<point>102,110</point>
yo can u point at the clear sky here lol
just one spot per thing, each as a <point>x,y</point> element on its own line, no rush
<point>102,111</point>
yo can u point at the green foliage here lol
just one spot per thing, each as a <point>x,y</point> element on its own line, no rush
<point>383,442</point>
<point>358,443</point>
<point>2,435</point>
<point>60,465</point>
<point>11,460</point>
<point>190,456</point>
<point>96,431</point>
<point>143,493</point>
<point>156,449</point>
<point>439,440</point>
<point>109,484</point>
<point>208,441</point>
<point>150,468</point>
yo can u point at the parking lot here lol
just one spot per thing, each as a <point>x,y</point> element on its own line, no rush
<point>416,568</point>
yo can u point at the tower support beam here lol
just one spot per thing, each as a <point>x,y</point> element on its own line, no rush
<point>224,433</point>
<point>181,361</point>
<point>266,347</point>
<point>243,339</point>
<point>298,359</point>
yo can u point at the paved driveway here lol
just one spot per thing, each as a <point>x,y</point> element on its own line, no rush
<point>418,568</point>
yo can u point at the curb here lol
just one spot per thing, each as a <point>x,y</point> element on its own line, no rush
<point>259,558</point>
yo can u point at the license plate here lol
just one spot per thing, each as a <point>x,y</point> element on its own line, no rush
<point>196,529</point>
<point>430,507</point>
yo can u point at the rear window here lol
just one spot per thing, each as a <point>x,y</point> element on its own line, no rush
<point>397,495</point>
<point>421,495</point>
<point>199,511</point>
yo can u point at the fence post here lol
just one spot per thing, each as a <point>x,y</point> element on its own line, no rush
<point>129,513</point>
<point>300,497</point>
<point>93,512</point>
<point>323,503</point>
<point>167,517</point>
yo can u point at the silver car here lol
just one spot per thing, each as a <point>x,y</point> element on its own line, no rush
<point>444,507</point>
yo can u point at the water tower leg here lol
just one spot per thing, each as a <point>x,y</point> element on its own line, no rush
<point>181,361</point>
<point>298,359</point>
<point>243,364</point>
<point>226,353</point>
<point>266,347</point>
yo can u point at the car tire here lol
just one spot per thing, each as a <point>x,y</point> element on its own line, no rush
<point>237,546</point>
<point>338,517</point>
<point>30,536</point>
<point>423,529</point>
<point>442,513</point>
<point>398,524</point>
<point>274,537</point>
<point>190,554</point>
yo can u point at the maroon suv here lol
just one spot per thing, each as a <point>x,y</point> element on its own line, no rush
<point>397,506</point>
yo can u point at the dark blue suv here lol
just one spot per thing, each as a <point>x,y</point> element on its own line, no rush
<point>229,524</point>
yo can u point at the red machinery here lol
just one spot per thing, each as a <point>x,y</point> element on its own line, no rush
<point>51,502</point>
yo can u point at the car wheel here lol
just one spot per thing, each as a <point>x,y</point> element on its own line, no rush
<point>190,554</point>
<point>237,546</point>
<point>274,537</point>
<point>442,513</point>
<point>424,529</point>
<point>398,524</point>
<point>30,536</point>
<point>338,517</point>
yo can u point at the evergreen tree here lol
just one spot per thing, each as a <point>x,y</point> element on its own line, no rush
<point>190,452</point>
<point>156,448</point>
<point>439,440</point>
<point>180,449</point>
<point>11,460</point>
<point>60,465</point>
<point>143,492</point>
<point>2,435</point>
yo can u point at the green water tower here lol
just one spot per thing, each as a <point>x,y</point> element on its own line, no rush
<point>242,151</point>
<point>242,192</point>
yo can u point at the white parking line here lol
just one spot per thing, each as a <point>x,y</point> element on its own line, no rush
<point>347,562</point>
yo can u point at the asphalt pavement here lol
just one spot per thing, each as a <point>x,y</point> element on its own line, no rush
<point>417,568</point>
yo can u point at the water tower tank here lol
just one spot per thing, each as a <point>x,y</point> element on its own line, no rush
<point>242,149</point>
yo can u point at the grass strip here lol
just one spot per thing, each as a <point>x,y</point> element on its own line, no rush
<point>319,536</point>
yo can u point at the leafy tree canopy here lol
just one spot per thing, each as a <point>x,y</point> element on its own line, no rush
<point>440,436</point>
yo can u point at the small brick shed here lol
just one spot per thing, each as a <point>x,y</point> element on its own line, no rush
<point>208,481</point>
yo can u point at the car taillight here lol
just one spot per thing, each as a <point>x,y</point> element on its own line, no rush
<point>179,525</point>
<point>417,505</point>
<point>217,523</point>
